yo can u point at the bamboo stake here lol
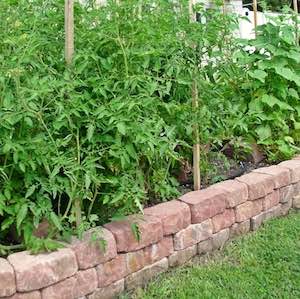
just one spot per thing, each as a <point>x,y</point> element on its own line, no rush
<point>69,31</point>
<point>255,16</point>
<point>196,146</point>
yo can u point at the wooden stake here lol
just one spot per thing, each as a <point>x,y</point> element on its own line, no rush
<point>196,146</point>
<point>69,31</point>
<point>255,15</point>
<point>224,7</point>
<point>295,2</point>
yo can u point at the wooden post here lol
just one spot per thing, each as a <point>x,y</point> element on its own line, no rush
<point>69,31</point>
<point>255,15</point>
<point>196,146</point>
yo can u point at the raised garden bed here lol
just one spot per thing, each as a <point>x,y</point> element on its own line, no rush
<point>169,234</point>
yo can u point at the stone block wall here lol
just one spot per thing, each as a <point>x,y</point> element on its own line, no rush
<point>171,233</point>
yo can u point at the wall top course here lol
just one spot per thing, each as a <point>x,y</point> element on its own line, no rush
<point>149,227</point>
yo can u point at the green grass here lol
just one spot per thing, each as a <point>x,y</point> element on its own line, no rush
<point>265,264</point>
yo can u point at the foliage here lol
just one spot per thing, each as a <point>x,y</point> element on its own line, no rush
<point>106,134</point>
<point>271,89</point>
<point>104,137</point>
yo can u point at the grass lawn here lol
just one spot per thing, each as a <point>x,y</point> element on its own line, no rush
<point>264,264</point>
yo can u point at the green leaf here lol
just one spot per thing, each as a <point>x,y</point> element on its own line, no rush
<point>121,128</point>
<point>56,221</point>
<point>288,74</point>
<point>264,132</point>
<point>259,75</point>
<point>30,191</point>
<point>21,215</point>
<point>90,132</point>
<point>271,101</point>
<point>293,93</point>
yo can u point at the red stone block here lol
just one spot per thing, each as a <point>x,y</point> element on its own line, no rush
<point>34,272</point>
<point>205,203</point>
<point>149,227</point>
<point>7,279</point>
<point>86,282</point>
<point>236,192</point>
<point>30,295</point>
<point>271,200</point>
<point>135,260</point>
<point>259,185</point>
<point>97,246</point>
<point>192,235</point>
<point>158,251</point>
<point>112,271</point>
<point>110,292</point>
<point>224,220</point>
<point>286,193</point>
<point>294,168</point>
<point>281,176</point>
<point>62,290</point>
<point>248,209</point>
<point>174,215</point>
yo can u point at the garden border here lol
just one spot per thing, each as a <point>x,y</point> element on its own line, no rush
<point>170,234</point>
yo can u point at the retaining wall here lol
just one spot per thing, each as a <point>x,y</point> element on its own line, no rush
<point>171,233</point>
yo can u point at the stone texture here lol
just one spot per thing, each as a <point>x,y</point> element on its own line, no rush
<point>192,235</point>
<point>236,192</point>
<point>271,200</point>
<point>280,175</point>
<point>296,188</point>
<point>30,295</point>
<point>273,212</point>
<point>294,167</point>
<point>141,277</point>
<point>258,220</point>
<point>158,251</point>
<point>224,220</point>
<point>285,207</point>
<point>286,193</point>
<point>296,202</point>
<point>150,228</point>
<point>62,290</point>
<point>259,185</point>
<point>97,246</point>
<point>112,271</point>
<point>174,215</point>
<point>219,239</point>
<point>110,292</point>
<point>205,203</point>
<point>205,246</point>
<point>239,229</point>
<point>247,210</point>
<point>135,260</point>
<point>7,279</point>
<point>34,272</point>
<point>86,282</point>
<point>182,256</point>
